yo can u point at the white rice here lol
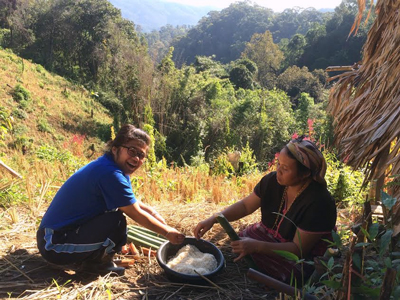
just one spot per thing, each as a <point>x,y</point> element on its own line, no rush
<point>189,258</point>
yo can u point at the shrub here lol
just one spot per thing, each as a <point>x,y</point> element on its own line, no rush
<point>39,69</point>
<point>20,114</point>
<point>222,166</point>
<point>20,129</point>
<point>20,94</point>
<point>43,126</point>
<point>4,36</point>
<point>344,183</point>
<point>23,142</point>
<point>109,101</point>
<point>247,161</point>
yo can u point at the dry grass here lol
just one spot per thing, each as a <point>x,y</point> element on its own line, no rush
<point>25,275</point>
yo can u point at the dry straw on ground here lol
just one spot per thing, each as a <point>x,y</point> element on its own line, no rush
<point>25,275</point>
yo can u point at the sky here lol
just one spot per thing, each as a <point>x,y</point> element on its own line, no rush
<point>275,5</point>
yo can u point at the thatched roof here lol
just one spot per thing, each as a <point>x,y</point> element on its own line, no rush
<point>365,101</point>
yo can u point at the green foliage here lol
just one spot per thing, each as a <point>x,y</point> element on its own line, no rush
<point>302,112</point>
<point>23,142</point>
<point>20,114</point>
<point>198,161</point>
<point>267,56</point>
<point>167,65</point>
<point>247,161</point>
<point>4,36</point>
<point>328,44</point>
<point>241,77</point>
<point>222,166</point>
<point>223,33</point>
<point>295,80</point>
<point>43,126</point>
<point>151,157</point>
<point>210,65</point>
<point>5,122</point>
<point>20,129</point>
<point>12,195</point>
<point>388,200</point>
<point>294,49</point>
<point>21,94</point>
<point>109,101</point>
<point>159,41</point>
<point>264,119</point>
<point>344,183</point>
<point>52,154</point>
<point>103,132</point>
<point>40,69</point>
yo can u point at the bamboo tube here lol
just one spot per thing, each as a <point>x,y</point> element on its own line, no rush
<point>234,237</point>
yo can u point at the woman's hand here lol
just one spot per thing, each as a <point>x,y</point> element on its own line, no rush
<point>244,246</point>
<point>174,236</point>
<point>203,227</point>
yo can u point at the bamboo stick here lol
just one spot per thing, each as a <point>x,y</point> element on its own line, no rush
<point>10,170</point>
<point>234,237</point>
<point>278,285</point>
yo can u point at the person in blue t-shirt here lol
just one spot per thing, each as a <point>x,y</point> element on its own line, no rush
<point>85,223</point>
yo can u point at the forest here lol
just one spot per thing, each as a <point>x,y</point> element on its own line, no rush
<point>244,80</point>
<point>257,83</point>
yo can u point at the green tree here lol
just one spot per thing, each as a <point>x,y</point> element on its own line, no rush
<point>294,49</point>
<point>267,55</point>
<point>16,16</point>
<point>302,113</point>
<point>295,20</point>
<point>264,119</point>
<point>331,45</point>
<point>295,80</point>
<point>223,33</point>
<point>210,65</point>
<point>243,74</point>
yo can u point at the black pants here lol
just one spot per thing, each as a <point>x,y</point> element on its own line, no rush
<point>104,234</point>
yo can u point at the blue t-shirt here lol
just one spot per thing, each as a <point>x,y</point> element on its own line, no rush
<point>98,187</point>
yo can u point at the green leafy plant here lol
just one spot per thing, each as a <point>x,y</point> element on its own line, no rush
<point>21,94</point>
<point>44,126</point>
<point>222,166</point>
<point>5,122</point>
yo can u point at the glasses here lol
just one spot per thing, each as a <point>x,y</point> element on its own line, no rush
<point>133,152</point>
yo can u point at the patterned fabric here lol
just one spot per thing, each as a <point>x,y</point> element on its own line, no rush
<point>278,268</point>
<point>307,153</point>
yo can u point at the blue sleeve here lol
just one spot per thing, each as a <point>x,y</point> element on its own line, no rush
<point>116,190</point>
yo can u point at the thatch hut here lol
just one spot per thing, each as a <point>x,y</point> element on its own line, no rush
<point>365,102</point>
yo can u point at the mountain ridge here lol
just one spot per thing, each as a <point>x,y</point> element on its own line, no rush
<point>152,15</point>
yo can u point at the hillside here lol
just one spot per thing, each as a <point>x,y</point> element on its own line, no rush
<point>48,111</point>
<point>152,15</point>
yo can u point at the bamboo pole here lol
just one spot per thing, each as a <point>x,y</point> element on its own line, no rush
<point>10,170</point>
<point>278,285</point>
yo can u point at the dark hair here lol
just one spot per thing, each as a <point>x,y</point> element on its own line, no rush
<point>302,169</point>
<point>126,134</point>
